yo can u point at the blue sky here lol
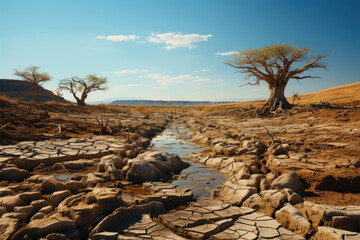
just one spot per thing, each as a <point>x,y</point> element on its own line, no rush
<point>171,50</point>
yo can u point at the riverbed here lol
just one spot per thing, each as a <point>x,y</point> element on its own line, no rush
<point>200,179</point>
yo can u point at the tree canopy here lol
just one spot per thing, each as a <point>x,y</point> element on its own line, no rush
<point>83,86</point>
<point>275,65</point>
<point>34,78</point>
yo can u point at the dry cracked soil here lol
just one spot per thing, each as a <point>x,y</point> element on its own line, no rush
<point>93,172</point>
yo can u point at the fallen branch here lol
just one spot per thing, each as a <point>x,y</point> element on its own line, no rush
<point>267,130</point>
<point>4,126</point>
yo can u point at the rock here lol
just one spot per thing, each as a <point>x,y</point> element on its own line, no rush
<point>219,148</point>
<point>41,166</point>
<point>270,177</point>
<point>9,202</point>
<point>74,186</point>
<point>78,164</point>
<point>254,169</point>
<point>153,166</point>
<point>38,215</point>
<point>232,193</point>
<point>46,210</point>
<point>105,236</point>
<point>13,174</point>
<point>58,166</point>
<point>346,222</point>
<point>130,153</point>
<point>5,191</point>
<point>116,160</point>
<point>123,215</point>
<point>292,219</point>
<point>92,180</point>
<point>107,196</point>
<point>24,209</point>
<point>266,202</point>
<point>279,149</point>
<point>38,204</point>
<point>84,209</point>
<point>289,180</point>
<point>328,233</point>
<point>8,227</point>
<point>154,187</point>
<point>47,225</point>
<point>56,236</point>
<point>254,144</point>
<point>170,197</point>
<point>346,218</point>
<point>292,197</point>
<point>230,150</point>
<point>264,184</point>
<point>22,217</point>
<point>51,185</point>
<point>58,197</point>
<point>28,197</point>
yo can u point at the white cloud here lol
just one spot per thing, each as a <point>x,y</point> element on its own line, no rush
<point>136,70</point>
<point>126,71</point>
<point>119,38</point>
<point>205,70</point>
<point>226,53</point>
<point>200,79</point>
<point>174,40</point>
<point>132,85</point>
<point>219,82</point>
<point>168,80</point>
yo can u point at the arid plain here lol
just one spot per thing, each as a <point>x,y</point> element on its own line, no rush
<point>97,171</point>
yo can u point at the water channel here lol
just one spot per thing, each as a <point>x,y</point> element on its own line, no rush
<point>199,178</point>
<point>176,139</point>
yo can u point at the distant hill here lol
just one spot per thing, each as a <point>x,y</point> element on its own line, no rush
<point>17,89</point>
<point>112,99</point>
<point>164,103</point>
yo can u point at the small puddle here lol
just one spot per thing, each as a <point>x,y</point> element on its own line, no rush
<point>65,176</point>
<point>200,179</point>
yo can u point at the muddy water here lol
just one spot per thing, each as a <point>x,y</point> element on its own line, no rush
<point>200,179</point>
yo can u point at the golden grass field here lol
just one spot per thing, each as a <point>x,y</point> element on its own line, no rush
<point>342,95</point>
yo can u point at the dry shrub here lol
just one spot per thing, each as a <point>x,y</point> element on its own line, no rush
<point>5,98</point>
<point>208,109</point>
<point>199,108</point>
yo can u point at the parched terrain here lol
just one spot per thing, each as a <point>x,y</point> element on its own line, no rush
<point>320,144</point>
<point>70,172</point>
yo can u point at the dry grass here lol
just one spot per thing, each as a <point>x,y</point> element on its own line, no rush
<point>342,95</point>
<point>3,97</point>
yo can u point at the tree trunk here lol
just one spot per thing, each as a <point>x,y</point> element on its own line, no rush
<point>81,102</point>
<point>35,88</point>
<point>277,97</point>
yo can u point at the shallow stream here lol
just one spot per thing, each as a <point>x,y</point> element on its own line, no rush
<point>200,179</point>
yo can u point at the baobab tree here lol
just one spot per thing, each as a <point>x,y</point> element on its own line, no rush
<point>83,86</point>
<point>32,77</point>
<point>274,65</point>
